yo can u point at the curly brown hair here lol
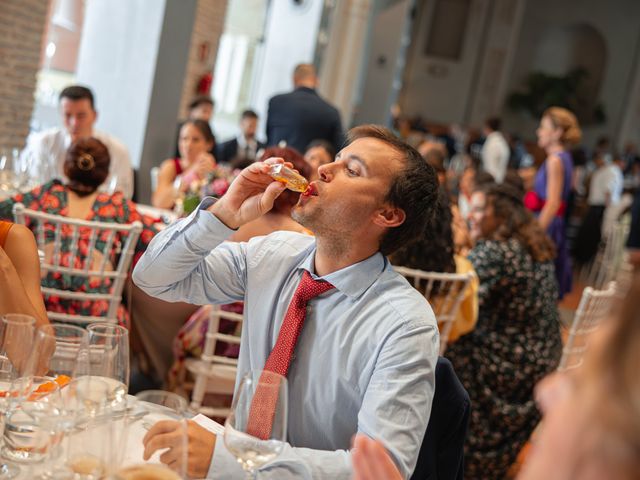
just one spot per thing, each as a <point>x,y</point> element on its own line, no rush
<point>515,221</point>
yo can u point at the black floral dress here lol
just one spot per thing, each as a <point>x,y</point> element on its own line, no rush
<point>516,342</point>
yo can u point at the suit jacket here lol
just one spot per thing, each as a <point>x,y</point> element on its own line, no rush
<point>300,117</point>
<point>442,452</point>
<point>228,151</point>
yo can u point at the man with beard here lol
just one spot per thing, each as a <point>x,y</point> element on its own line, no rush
<point>366,344</point>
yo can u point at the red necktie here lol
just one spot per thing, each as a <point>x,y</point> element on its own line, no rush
<point>266,397</point>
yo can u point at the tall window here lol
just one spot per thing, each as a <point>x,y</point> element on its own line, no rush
<point>239,54</point>
<point>58,60</point>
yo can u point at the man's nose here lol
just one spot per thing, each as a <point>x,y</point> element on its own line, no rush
<point>325,172</point>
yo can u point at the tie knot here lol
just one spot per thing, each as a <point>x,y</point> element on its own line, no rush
<point>310,288</point>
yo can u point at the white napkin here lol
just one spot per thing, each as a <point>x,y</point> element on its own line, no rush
<point>209,424</point>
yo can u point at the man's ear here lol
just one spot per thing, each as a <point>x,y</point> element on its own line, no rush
<point>389,217</point>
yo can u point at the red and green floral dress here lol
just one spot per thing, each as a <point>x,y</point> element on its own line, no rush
<point>52,198</point>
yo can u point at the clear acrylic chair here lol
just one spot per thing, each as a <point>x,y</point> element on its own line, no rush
<point>594,307</point>
<point>444,291</point>
<point>213,374</point>
<point>60,239</point>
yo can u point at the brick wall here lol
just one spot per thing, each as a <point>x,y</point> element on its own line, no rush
<point>22,26</point>
<point>208,27</point>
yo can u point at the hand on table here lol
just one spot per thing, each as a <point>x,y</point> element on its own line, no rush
<point>250,196</point>
<point>169,434</point>
<point>371,461</point>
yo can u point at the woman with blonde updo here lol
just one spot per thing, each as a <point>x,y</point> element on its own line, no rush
<point>558,131</point>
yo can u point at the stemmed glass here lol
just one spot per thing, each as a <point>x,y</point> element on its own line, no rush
<point>161,405</point>
<point>60,351</point>
<point>256,429</point>
<point>109,356</point>
<point>16,337</point>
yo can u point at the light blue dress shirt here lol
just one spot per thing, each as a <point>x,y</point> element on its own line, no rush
<point>365,359</point>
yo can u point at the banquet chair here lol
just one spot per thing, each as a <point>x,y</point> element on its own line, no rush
<point>444,291</point>
<point>609,258</point>
<point>49,230</point>
<point>214,374</point>
<point>441,454</point>
<point>595,306</point>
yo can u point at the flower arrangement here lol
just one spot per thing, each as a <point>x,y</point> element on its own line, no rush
<point>215,185</point>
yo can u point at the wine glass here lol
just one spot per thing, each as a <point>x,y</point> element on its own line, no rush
<point>88,409</point>
<point>31,430</point>
<point>256,429</point>
<point>16,336</point>
<point>109,356</point>
<point>60,351</point>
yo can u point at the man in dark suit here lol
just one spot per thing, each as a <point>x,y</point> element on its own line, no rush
<point>301,116</point>
<point>243,149</point>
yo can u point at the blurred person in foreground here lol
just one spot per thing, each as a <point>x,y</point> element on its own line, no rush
<point>516,340</point>
<point>48,150</point>
<point>376,335</point>
<point>20,273</point>
<point>86,166</point>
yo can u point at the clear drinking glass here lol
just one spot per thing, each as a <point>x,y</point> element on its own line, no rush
<point>60,351</point>
<point>88,409</point>
<point>109,356</point>
<point>16,336</point>
<point>160,405</point>
<point>256,429</point>
<point>31,428</point>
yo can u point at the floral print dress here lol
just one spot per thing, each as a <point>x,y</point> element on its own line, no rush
<point>516,342</point>
<point>52,198</point>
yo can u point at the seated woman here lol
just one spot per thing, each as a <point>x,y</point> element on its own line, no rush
<point>20,273</point>
<point>517,338</point>
<point>195,163</point>
<point>434,252</point>
<point>87,166</point>
<point>190,338</point>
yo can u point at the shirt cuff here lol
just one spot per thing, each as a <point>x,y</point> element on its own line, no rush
<point>206,231</point>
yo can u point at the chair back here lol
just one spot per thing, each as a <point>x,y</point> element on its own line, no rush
<point>595,305</point>
<point>609,258</point>
<point>80,252</point>
<point>443,291</point>
<point>441,454</point>
<point>216,368</point>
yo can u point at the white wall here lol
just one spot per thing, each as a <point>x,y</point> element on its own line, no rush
<point>439,89</point>
<point>118,49</point>
<point>618,22</point>
<point>290,39</point>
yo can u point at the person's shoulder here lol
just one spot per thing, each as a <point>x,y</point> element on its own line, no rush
<point>19,236</point>
<point>405,303</point>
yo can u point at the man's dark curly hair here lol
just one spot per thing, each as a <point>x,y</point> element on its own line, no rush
<point>414,188</point>
<point>434,249</point>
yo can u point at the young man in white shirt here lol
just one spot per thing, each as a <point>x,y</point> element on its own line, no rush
<point>47,150</point>
<point>365,356</point>
<point>495,151</point>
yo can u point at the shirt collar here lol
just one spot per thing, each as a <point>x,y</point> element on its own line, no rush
<point>353,280</point>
